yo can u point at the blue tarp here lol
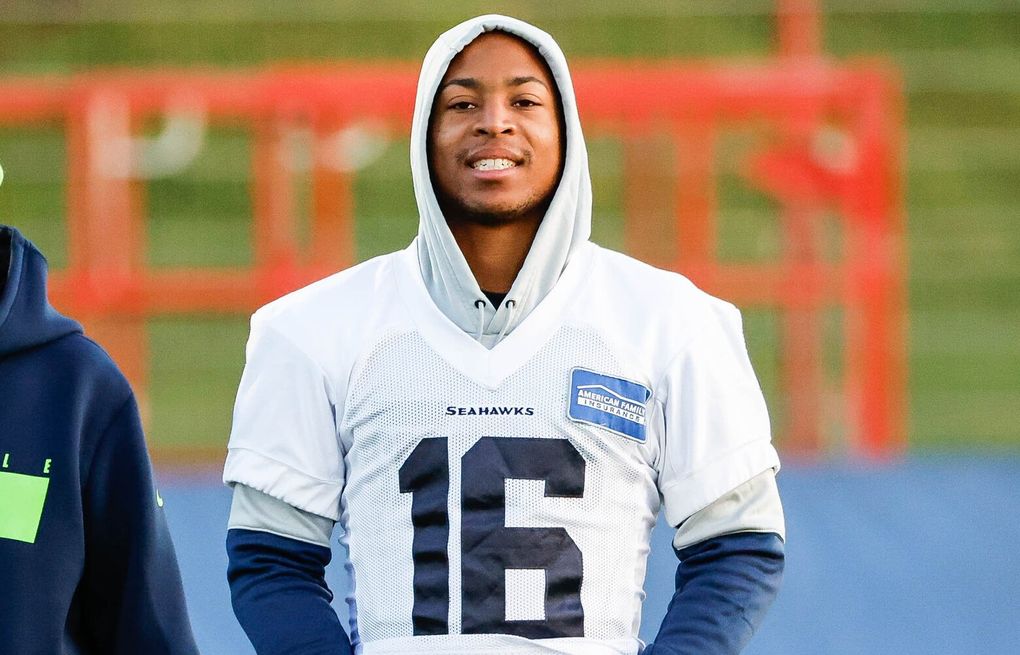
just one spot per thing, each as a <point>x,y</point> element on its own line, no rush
<point>918,557</point>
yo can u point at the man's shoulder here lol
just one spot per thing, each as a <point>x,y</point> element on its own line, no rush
<point>636,282</point>
<point>654,312</point>
<point>83,362</point>
<point>347,294</point>
<point>71,373</point>
<point>330,319</point>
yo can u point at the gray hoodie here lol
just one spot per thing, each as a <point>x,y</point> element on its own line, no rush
<point>567,223</point>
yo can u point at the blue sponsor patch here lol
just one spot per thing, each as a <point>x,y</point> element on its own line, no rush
<point>615,404</point>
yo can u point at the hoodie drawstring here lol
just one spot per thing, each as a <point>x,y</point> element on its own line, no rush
<point>511,306</point>
<point>480,305</point>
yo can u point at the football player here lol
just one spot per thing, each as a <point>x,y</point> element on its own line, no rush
<point>495,415</point>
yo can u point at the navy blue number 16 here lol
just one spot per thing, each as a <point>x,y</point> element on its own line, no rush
<point>488,547</point>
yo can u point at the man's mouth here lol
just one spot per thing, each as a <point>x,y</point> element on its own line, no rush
<point>493,164</point>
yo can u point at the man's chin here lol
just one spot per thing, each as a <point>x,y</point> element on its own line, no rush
<point>493,216</point>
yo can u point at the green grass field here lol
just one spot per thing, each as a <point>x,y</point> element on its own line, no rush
<point>957,60</point>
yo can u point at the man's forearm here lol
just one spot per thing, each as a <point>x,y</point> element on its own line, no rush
<point>724,586</point>
<point>280,597</point>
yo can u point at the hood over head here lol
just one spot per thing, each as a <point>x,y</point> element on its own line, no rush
<point>26,317</point>
<point>565,227</point>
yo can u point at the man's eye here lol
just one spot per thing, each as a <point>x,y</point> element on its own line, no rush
<point>525,102</point>
<point>463,104</point>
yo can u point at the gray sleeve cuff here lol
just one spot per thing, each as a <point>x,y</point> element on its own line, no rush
<point>255,510</point>
<point>751,507</point>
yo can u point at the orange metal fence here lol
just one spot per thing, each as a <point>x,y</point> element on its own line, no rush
<point>833,151</point>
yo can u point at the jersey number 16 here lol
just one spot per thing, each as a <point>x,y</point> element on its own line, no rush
<point>488,547</point>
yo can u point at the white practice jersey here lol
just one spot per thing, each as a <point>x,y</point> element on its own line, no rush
<point>499,501</point>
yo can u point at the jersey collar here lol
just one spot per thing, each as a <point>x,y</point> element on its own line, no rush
<point>489,367</point>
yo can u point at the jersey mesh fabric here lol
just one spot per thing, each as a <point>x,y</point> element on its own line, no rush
<point>338,412</point>
<point>403,392</point>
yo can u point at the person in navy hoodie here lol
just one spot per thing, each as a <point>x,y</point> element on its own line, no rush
<point>86,561</point>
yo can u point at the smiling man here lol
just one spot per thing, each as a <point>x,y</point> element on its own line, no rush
<point>495,415</point>
<point>496,153</point>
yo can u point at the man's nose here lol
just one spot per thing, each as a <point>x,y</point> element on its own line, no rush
<point>495,118</point>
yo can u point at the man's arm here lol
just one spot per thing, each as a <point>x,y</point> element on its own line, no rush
<point>732,557</point>
<point>717,467</point>
<point>131,595</point>
<point>724,586</point>
<point>277,562</point>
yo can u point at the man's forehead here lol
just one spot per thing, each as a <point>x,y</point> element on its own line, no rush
<point>494,58</point>
<point>475,83</point>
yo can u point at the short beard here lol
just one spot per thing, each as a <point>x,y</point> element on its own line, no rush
<point>456,211</point>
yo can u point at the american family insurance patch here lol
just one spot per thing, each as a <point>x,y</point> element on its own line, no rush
<point>615,404</point>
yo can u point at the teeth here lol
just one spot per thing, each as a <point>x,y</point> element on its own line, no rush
<point>493,164</point>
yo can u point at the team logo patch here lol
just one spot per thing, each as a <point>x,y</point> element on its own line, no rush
<point>609,402</point>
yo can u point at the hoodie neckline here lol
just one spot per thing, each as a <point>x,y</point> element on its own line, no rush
<point>489,366</point>
<point>9,291</point>
<point>564,229</point>
<point>27,319</point>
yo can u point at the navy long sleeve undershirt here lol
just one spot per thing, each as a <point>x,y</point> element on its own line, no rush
<point>279,593</point>
<point>724,586</point>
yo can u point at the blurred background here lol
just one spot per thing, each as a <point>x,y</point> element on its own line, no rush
<point>846,172</point>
